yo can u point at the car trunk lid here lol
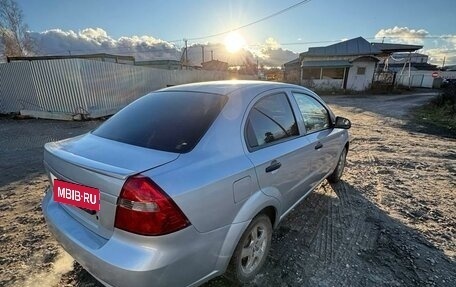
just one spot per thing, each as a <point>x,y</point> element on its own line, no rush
<point>102,164</point>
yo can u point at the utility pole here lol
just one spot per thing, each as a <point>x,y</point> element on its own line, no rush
<point>409,69</point>
<point>443,65</point>
<point>186,54</point>
<point>212,55</point>
<point>257,67</point>
<point>202,52</point>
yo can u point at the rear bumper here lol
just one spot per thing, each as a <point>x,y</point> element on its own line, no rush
<point>183,258</point>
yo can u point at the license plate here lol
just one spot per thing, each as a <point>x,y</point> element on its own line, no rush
<point>78,195</point>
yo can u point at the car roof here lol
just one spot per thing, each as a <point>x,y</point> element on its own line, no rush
<point>228,87</point>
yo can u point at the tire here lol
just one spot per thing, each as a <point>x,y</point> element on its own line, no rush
<point>250,253</point>
<point>339,170</point>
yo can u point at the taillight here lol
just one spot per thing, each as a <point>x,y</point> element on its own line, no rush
<point>144,208</point>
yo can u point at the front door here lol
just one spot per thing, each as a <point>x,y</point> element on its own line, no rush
<point>277,149</point>
<point>324,139</point>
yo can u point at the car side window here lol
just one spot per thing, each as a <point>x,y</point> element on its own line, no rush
<point>314,114</point>
<point>270,119</point>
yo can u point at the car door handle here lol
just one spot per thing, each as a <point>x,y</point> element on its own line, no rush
<point>319,145</point>
<point>274,165</point>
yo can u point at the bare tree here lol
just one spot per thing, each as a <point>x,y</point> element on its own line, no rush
<point>13,31</point>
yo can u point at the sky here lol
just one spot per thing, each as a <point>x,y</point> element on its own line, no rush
<point>156,29</point>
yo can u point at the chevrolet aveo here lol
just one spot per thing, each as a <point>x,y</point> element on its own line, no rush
<point>188,182</point>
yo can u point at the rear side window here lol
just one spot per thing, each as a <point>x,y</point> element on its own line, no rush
<point>270,119</point>
<point>167,121</point>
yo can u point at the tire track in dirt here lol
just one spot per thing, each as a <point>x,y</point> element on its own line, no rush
<point>379,227</point>
<point>62,265</point>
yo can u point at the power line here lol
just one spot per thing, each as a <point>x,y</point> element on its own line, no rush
<point>249,24</point>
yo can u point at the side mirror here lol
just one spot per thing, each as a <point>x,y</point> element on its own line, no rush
<point>342,123</point>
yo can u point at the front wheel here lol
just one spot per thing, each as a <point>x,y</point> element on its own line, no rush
<point>252,250</point>
<point>339,170</point>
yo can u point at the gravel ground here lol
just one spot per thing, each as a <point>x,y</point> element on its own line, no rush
<point>390,222</point>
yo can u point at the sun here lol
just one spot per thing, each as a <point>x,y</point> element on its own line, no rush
<point>234,42</point>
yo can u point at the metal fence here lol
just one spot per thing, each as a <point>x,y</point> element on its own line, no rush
<point>88,87</point>
<point>423,79</point>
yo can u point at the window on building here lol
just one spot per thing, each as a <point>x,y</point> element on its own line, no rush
<point>333,73</point>
<point>311,73</point>
<point>361,71</point>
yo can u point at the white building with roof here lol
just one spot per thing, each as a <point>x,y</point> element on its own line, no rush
<point>349,64</point>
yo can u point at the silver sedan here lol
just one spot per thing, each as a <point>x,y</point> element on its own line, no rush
<point>189,182</point>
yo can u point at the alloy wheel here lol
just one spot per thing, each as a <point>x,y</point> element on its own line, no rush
<point>254,248</point>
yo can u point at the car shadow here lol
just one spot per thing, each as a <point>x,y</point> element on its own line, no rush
<point>337,237</point>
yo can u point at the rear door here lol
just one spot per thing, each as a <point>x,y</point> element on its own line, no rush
<point>277,149</point>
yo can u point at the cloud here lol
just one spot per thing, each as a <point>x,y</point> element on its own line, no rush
<point>94,34</point>
<point>271,43</point>
<point>97,40</point>
<point>272,54</point>
<point>219,52</point>
<point>403,35</point>
<point>444,46</point>
<point>265,54</point>
<point>449,39</point>
<point>437,55</point>
<point>277,57</point>
<point>445,49</point>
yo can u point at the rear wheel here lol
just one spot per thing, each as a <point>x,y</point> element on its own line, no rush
<point>339,170</point>
<point>252,250</point>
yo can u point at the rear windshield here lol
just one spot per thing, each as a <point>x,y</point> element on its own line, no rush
<point>167,121</point>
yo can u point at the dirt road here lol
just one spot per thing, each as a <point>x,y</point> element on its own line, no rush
<point>391,222</point>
